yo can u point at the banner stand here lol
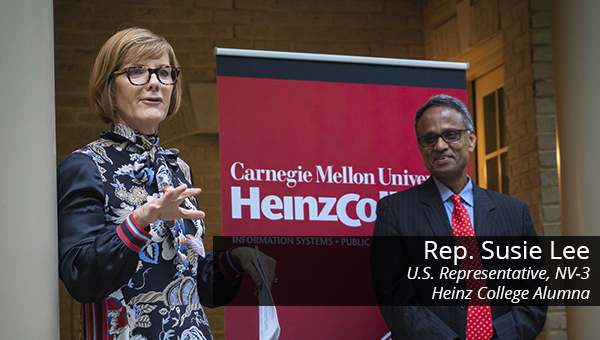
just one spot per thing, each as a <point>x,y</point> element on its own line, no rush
<point>309,143</point>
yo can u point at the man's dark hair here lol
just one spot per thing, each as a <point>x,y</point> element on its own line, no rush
<point>449,102</point>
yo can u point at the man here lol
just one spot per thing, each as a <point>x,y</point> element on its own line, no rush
<point>445,137</point>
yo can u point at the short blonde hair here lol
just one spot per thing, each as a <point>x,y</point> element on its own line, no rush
<point>125,46</point>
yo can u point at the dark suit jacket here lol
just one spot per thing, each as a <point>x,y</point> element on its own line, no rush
<point>419,211</point>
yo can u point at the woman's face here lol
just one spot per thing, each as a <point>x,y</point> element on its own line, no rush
<point>142,107</point>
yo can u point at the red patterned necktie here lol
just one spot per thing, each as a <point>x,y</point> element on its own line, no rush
<point>479,315</point>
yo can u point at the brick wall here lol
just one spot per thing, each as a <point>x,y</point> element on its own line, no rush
<point>521,122</point>
<point>543,82</point>
<point>383,28</point>
<point>453,27</point>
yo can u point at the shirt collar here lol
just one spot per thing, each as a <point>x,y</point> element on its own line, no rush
<point>466,195</point>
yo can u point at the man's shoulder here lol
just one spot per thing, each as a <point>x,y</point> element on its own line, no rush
<point>497,197</point>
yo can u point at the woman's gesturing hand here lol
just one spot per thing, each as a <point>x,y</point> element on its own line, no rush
<point>167,207</point>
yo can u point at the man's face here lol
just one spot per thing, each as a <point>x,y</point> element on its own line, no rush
<point>447,162</point>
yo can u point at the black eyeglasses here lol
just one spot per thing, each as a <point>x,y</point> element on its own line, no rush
<point>140,75</point>
<point>449,136</point>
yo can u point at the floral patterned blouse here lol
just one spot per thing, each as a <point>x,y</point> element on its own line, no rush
<point>135,283</point>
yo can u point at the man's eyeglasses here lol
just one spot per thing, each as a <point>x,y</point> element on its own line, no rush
<point>140,75</point>
<point>449,136</point>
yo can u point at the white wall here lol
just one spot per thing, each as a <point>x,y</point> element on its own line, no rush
<point>576,58</point>
<point>28,236</point>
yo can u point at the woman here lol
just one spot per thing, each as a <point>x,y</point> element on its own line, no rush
<point>130,232</point>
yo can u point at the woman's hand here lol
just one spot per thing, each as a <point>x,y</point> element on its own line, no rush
<point>167,207</point>
<point>243,257</point>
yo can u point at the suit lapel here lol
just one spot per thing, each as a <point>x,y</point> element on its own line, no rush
<point>484,212</point>
<point>434,210</point>
<point>436,215</point>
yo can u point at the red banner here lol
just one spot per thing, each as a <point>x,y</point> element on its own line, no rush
<point>307,148</point>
